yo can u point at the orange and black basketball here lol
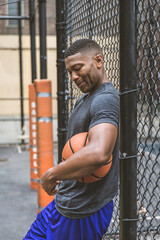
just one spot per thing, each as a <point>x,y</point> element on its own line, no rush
<point>73,145</point>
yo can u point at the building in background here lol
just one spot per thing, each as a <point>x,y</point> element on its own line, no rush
<point>10,127</point>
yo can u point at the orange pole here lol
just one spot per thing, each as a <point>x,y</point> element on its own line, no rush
<point>33,141</point>
<point>44,135</point>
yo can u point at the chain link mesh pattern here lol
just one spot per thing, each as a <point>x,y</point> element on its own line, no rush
<point>99,20</point>
<point>148,111</point>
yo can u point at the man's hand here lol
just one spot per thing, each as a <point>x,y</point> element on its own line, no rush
<point>48,182</point>
<point>102,139</point>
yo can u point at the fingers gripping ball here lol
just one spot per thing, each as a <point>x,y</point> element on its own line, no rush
<point>73,145</point>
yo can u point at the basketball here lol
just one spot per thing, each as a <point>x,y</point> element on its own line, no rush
<point>73,145</point>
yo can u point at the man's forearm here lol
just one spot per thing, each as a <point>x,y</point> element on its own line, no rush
<point>80,164</point>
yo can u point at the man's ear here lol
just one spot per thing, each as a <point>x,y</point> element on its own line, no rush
<point>99,60</point>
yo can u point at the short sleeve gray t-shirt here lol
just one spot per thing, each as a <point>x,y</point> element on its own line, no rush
<point>76,199</point>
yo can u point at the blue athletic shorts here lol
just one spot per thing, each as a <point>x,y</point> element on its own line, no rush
<point>51,225</point>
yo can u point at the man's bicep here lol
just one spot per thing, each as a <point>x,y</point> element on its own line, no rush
<point>103,136</point>
<point>104,109</point>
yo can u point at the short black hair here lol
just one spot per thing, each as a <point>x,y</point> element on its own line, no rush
<point>82,45</point>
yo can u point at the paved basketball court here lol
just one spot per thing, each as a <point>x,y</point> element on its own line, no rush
<point>18,202</point>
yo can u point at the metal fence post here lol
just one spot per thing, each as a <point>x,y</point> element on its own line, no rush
<point>32,38</point>
<point>42,32</point>
<point>61,45</point>
<point>21,70</point>
<point>128,121</point>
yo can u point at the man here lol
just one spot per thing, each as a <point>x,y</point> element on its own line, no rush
<point>83,211</point>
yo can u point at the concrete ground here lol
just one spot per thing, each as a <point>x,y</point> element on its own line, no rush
<point>18,202</point>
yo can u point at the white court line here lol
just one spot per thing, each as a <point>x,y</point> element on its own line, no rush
<point>150,218</point>
<point>146,218</point>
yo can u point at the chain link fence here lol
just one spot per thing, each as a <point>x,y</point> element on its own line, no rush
<point>99,20</point>
<point>148,112</point>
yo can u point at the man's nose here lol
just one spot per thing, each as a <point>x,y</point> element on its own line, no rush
<point>74,76</point>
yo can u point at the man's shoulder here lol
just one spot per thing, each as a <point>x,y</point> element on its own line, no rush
<point>108,91</point>
<point>81,98</point>
<point>108,88</point>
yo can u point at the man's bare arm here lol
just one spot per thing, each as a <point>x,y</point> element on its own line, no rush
<point>102,138</point>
